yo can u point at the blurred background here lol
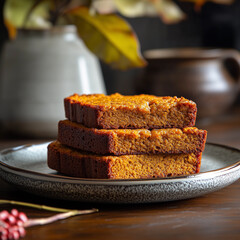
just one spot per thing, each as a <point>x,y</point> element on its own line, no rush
<point>215,26</point>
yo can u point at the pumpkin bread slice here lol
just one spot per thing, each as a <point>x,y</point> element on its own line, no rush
<point>81,164</point>
<point>132,112</point>
<point>131,141</point>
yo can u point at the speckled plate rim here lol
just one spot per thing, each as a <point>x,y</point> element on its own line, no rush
<point>73,180</point>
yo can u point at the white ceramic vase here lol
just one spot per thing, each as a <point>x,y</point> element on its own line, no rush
<point>37,70</point>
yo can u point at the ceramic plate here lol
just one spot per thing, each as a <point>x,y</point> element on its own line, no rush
<point>26,168</point>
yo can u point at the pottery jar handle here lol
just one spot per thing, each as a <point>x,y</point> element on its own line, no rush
<point>232,65</point>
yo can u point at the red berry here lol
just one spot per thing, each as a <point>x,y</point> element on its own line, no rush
<point>3,232</point>
<point>22,231</point>
<point>19,223</point>
<point>10,235</point>
<point>4,215</point>
<point>16,235</point>
<point>11,225</point>
<point>11,220</point>
<point>22,216</point>
<point>6,225</point>
<point>13,228</point>
<point>15,212</point>
<point>2,224</point>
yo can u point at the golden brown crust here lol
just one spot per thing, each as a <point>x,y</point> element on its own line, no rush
<point>131,141</point>
<point>139,111</point>
<point>84,165</point>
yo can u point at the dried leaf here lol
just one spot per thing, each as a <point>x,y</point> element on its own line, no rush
<point>12,31</point>
<point>109,37</point>
<point>103,6</point>
<point>166,9</point>
<point>200,3</point>
<point>136,8</point>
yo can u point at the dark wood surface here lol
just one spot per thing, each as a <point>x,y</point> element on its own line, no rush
<point>213,216</point>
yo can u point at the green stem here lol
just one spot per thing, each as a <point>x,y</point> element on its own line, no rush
<point>32,205</point>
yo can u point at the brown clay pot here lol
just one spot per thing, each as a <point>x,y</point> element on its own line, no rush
<point>210,77</point>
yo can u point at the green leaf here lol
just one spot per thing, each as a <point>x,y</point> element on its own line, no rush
<point>16,12</point>
<point>109,37</point>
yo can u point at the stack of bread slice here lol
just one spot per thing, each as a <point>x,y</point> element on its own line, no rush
<point>127,137</point>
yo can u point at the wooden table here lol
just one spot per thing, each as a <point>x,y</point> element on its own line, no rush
<point>213,216</point>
